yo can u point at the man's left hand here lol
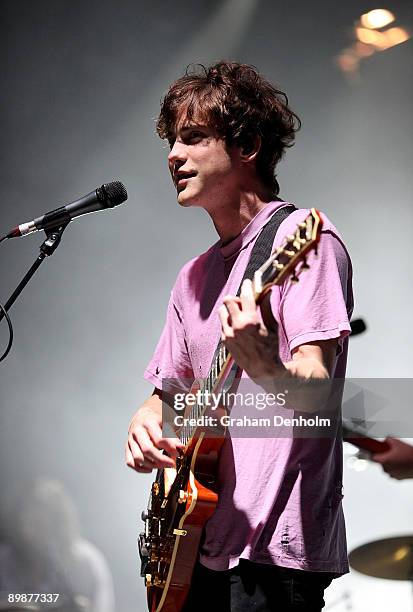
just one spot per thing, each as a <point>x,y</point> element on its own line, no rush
<point>252,341</point>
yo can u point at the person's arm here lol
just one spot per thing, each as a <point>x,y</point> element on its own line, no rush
<point>170,361</point>
<point>313,360</point>
<point>254,345</point>
<point>398,460</point>
<point>143,449</point>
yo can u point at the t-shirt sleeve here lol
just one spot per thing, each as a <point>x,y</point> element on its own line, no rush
<point>319,306</point>
<point>171,358</point>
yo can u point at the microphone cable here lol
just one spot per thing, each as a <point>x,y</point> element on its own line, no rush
<point>9,323</point>
<point>11,333</point>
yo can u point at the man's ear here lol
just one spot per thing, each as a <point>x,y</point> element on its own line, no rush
<point>250,148</point>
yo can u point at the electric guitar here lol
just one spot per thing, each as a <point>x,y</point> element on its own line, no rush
<point>183,498</point>
<point>363,442</point>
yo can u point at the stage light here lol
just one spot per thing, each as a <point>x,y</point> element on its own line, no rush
<point>401,553</point>
<point>363,50</point>
<point>395,36</point>
<point>372,34</point>
<point>370,37</point>
<point>378,18</point>
<point>348,61</point>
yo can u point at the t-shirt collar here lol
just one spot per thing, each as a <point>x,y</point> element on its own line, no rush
<point>250,231</point>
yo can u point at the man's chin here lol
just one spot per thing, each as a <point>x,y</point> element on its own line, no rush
<point>184,199</point>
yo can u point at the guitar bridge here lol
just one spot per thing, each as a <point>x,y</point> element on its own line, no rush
<point>144,549</point>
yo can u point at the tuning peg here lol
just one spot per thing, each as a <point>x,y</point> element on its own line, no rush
<point>182,497</point>
<point>304,266</point>
<point>277,266</point>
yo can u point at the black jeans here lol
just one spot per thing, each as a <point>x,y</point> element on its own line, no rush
<point>258,587</point>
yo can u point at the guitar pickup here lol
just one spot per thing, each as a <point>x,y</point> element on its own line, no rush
<point>180,532</point>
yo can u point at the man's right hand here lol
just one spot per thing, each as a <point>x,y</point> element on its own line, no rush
<point>143,449</point>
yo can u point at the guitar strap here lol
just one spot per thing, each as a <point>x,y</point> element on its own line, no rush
<point>259,254</point>
<point>263,245</point>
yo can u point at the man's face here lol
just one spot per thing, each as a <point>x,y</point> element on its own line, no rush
<point>204,170</point>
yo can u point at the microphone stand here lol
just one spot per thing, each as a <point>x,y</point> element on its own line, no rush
<point>53,238</point>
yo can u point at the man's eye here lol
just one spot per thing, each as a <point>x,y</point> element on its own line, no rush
<point>195,134</point>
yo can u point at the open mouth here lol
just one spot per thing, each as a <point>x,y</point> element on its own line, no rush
<point>182,177</point>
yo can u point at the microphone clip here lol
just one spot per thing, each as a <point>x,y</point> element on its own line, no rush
<point>53,238</point>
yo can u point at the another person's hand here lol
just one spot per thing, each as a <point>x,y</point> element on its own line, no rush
<point>398,460</point>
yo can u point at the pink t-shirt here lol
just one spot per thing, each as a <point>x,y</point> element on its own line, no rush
<point>279,498</point>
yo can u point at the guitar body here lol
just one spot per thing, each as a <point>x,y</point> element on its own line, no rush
<point>182,501</point>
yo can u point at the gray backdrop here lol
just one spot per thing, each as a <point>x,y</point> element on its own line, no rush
<point>81,84</point>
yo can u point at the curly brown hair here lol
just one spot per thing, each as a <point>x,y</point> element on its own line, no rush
<point>240,104</point>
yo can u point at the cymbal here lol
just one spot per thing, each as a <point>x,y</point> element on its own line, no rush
<point>390,558</point>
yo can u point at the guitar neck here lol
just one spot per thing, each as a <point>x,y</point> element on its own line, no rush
<point>364,442</point>
<point>281,265</point>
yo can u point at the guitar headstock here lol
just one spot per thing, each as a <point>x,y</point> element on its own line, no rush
<point>289,260</point>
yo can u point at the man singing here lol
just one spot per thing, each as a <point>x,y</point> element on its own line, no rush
<point>277,536</point>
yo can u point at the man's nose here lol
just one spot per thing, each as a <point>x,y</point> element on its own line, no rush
<point>177,153</point>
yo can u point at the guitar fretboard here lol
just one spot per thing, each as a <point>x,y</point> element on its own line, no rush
<point>221,363</point>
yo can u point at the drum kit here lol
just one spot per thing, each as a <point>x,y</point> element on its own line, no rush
<point>391,558</point>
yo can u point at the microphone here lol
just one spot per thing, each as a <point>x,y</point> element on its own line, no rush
<point>106,196</point>
<point>358,326</point>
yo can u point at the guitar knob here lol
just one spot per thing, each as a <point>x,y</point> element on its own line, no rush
<point>294,279</point>
<point>304,266</point>
<point>183,496</point>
